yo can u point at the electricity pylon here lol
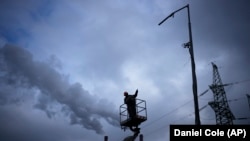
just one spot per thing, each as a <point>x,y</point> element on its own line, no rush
<point>223,114</point>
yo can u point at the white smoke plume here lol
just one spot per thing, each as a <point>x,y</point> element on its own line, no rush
<point>20,70</point>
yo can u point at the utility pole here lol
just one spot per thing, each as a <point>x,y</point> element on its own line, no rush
<point>189,45</point>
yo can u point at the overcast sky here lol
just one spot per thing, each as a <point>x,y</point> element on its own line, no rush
<point>66,63</point>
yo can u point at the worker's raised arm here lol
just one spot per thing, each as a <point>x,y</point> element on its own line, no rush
<point>136,93</point>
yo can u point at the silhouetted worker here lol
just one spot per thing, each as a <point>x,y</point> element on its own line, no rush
<point>130,101</point>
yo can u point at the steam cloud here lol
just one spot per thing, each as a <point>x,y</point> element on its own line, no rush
<point>19,69</point>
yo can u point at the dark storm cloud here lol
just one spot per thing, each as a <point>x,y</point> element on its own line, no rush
<point>222,32</point>
<point>223,28</point>
<point>120,43</point>
<point>18,69</point>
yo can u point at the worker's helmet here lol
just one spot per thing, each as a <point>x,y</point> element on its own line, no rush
<point>125,93</point>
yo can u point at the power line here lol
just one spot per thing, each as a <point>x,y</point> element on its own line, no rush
<point>188,115</point>
<point>203,93</point>
<point>236,99</point>
<point>166,114</point>
<point>174,110</point>
<point>242,118</point>
<point>165,125</point>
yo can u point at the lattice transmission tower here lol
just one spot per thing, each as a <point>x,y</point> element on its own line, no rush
<point>223,114</point>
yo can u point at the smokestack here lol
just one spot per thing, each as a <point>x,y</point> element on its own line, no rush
<point>105,138</point>
<point>141,137</point>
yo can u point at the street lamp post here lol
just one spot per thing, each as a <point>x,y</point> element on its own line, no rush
<point>189,45</point>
